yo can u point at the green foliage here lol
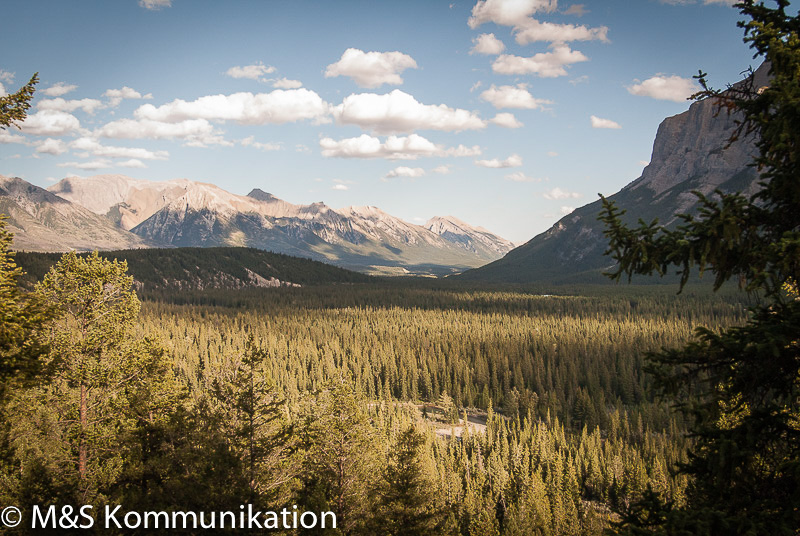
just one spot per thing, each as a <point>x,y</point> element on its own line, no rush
<point>102,384</point>
<point>406,506</point>
<point>253,417</point>
<point>21,318</point>
<point>14,107</point>
<point>740,386</point>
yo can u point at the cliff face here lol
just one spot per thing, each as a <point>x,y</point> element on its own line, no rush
<point>690,152</point>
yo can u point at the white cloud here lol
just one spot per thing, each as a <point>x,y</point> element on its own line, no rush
<point>400,112</point>
<point>404,171</point>
<point>567,210</point>
<point>115,96</point>
<point>195,132</point>
<point>276,107</point>
<point>95,148</point>
<point>579,10</point>
<point>507,12</point>
<point>487,44</point>
<point>2,90</point>
<point>250,142</point>
<point>93,164</point>
<point>132,163</point>
<point>59,89</point>
<point>545,64</point>
<point>87,105</point>
<point>644,163</point>
<point>598,122</point>
<point>534,30</point>
<point>250,72</point>
<point>506,120</point>
<point>512,161</point>
<point>50,123</point>
<point>7,137</point>
<point>285,83</point>
<point>521,177</point>
<point>6,76</point>
<point>51,146</point>
<point>671,88</point>
<point>512,97</point>
<point>558,193</point>
<point>155,5</point>
<point>371,69</point>
<point>475,86</point>
<point>552,154</point>
<point>394,148</point>
<point>442,170</point>
<point>341,187</point>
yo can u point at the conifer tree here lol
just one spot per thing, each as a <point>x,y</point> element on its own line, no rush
<point>74,422</point>
<point>406,504</point>
<point>741,386</point>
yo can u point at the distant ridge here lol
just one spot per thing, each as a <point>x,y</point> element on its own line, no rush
<point>206,268</point>
<point>184,213</point>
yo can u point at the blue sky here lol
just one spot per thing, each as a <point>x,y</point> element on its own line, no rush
<point>503,113</point>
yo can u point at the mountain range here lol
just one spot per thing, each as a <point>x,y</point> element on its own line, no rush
<point>119,212</point>
<point>691,152</point>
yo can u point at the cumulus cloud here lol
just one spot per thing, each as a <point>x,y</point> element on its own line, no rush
<point>487,44</point>
<point>579,10</point>
<point>544,64</point>
<point>115,96</point>
<point>558,193</point>
<point>7,137</point>
<point>512,97</point>
<point>95,148</point>
<point>92,164</point>
<point>598,122</point>
<point>442,170</point>
<point>512,161</point>
<point>394,148</point>
<point>521,177</point>
<point>371,69</point>
<point>404,171</point>
<point>285,83</point>
<point>277,107</point>
<point>59,89</point>
<point>506,120</point>
<point>50,123</point>
<point>250,72</point>
<point>400,112</point>
<point>51,146</point>
<point>250,141</point>
<point>6,76</point>
<point>508,12</point>
<point>534,30</point>
<point>671,88</point>
<point>341,187</point>
<point>567,210</point>
<point>155,5</point>
<point>195,132</point>
<point>87,105</point>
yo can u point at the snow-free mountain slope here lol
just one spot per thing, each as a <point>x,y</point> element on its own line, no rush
<point>43,221</point>
<point>189,213</point>
<point>690,152</point>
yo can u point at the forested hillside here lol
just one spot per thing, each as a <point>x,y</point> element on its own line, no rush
<point>207,268</point>
<point>352,399</point>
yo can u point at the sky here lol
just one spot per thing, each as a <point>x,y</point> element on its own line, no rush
<point>506,114</point>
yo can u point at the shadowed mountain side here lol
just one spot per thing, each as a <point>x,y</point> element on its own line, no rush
<point>689,153</point>
<point>205,268</point>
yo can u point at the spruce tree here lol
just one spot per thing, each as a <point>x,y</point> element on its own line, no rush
<point>407,503</point>
<point>740,386</point>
